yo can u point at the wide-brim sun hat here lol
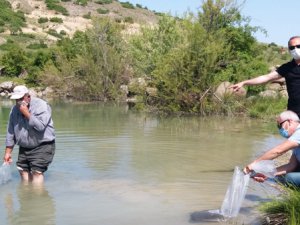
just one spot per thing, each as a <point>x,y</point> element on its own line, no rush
<point>19,92</point>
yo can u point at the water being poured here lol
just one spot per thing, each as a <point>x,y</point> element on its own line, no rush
<point>236,191</point>
<point>235,195</point>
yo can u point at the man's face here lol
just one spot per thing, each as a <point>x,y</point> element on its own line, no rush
<point>293,43</point>
<point>25,100</point>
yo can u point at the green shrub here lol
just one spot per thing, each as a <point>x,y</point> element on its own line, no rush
<point>15,61</point>
<point>127,5</point>
<point>27,35</point>
<point>37,45</point>
<point>54,33</point>
<point>43,20</point>
<point>54,5</point>
<point>62,32</point>
<point>128,19</point>
<point>81,2</point>
<point>103,2</point>
<point>2,23</point>
<point>56,20</point>
<point>102,11</point>
<point>12,20</point>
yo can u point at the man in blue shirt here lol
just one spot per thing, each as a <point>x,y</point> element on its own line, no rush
<point>289,127</point>
<point>31,127</point>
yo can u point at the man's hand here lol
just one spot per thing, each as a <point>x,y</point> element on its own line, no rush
<point>24,110</point>
<point>237,87</point>
<point>7,158</point>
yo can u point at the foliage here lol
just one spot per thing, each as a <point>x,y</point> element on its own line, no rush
<point>9,19</point>
<point>54,5</point>
<point>81,2</point>
<point>102,2</point>
<point>88,67</point>
<point>39,45</point>
<point>56,20</point>
<point>265,107</point>
<point>127,5</point>
<point>43,20</point>
<point>284,210</point>
<point>14,61</point>
<point>54,33</point>
<point>102,11</point>
<point>185,59</point>
<point>128,19</point>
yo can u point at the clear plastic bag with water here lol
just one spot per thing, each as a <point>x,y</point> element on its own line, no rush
<point>265,167</point>
<point>5,173</point>
<point>235,194</point>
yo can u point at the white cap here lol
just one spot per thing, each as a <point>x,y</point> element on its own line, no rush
<point>18,92</point>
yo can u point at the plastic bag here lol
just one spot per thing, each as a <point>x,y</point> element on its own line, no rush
<point>265,167</point>
<point>5,173</point>
<point>235,194</point>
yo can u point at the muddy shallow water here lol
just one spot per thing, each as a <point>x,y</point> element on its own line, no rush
<point>116,167</point>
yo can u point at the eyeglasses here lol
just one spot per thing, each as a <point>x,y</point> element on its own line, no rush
<point>20,99</point>
<point>293,47</point>
<point>279,125</point>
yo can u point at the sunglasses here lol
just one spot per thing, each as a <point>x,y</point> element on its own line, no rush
<point>293,47</point>
<point>279,125</point>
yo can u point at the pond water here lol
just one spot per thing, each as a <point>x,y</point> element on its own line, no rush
<point>116,167</point>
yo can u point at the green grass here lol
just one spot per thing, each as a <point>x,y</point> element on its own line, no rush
<point>284,210</point>
<point>266,107</point>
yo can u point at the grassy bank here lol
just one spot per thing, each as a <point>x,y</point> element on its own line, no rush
<point>283,210</point>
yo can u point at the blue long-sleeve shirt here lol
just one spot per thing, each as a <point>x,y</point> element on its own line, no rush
<point>30,133</point>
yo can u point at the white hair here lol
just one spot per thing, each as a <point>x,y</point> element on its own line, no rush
<point>289,115</point>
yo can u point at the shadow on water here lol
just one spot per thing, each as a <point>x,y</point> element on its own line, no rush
<point>256,198</point>
<point>205,216</point>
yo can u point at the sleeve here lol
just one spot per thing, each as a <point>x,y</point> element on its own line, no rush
<point>41,117</point>
<point>283,69</point>
<point>296,136</point>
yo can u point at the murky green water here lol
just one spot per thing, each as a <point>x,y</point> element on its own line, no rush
<point>116,167</point>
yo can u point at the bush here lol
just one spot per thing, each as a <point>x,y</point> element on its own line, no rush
<point>89,66</point>
<point>54,5</point>
<point>56,20</point>
<point>43,20</point>
<point>37,45</point>
<point>127,5</point>
<point>128,19</point>
<point>63,32</point>
<point>81,2</point>
<point>15,61</point>
<point>10,19</point>
<point>54,33</point>
<point>102,11</point>
<point>103,2</point>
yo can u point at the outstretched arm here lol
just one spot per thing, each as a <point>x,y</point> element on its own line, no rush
<point>273,153</point>
<point>257,80</point>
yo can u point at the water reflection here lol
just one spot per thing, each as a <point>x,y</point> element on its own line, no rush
<point>33,205</point>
